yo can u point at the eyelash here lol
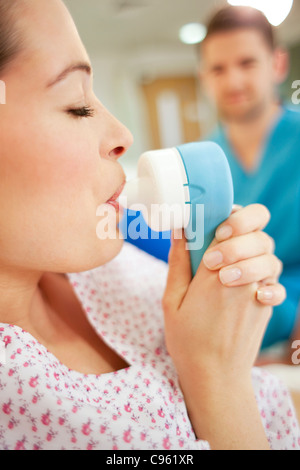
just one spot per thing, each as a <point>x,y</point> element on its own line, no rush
<point>85,112</point>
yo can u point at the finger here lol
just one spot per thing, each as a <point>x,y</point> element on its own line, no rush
<point>180,274</point>
<point>251,270</point>
<point>271,295</point>
<point>235,208</point>
<point>242,221</point>
<point>269,281</point>
<point>237,249</point>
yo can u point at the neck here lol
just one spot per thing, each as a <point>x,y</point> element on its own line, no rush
<point>18,291</point>
<point>255,128</point>
<point>22,302</point>
<point>247,137</point>
<point>43,305</point>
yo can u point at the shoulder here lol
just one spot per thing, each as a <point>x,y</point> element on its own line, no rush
<point>291,122</point>
<point>20,351</point>
<point>286,141</point>
<point>293,114</point>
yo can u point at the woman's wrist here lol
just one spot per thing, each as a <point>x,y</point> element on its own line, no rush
<point>224,412</point>
<point>209,385</point>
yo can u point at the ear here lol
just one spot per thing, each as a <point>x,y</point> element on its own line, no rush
<point>281,65</point>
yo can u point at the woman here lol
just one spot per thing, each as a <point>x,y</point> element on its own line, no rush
<point>85,363</point>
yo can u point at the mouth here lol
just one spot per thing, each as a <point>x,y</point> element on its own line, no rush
<point>114,199</point>
<point>236,98</point>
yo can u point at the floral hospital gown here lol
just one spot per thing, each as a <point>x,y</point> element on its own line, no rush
<point>44,405</point>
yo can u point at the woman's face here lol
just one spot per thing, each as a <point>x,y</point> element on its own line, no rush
<point>58,163</point>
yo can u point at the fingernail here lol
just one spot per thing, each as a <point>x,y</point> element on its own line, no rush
<point>265,294</point>
<point>230,275</point>
<point>236,207</point>
<point>224,232</point>
<point>212,259</point>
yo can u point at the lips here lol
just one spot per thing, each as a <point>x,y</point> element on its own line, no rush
<point>113,200</point>
<point>236,98</point>
<point>117,193</point>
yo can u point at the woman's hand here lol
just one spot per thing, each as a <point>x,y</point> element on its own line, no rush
<point>214,332</point>
<point>210,310</point>
<point>243,253</point>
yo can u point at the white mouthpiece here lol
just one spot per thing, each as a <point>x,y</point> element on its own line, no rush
<point>160,190</point>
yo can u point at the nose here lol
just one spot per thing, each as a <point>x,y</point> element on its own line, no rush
<point>233,79</point>
<point>116,140</point>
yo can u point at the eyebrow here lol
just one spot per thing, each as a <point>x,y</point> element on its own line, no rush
<point>83,66</point>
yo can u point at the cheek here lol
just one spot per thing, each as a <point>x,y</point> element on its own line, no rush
<point>259,81</point>
<point>49,174</point>
<point>65,157</point>
<point>221,89</point>
<point>57,161</point>
<point>214,87</point>
<point>72,165</point>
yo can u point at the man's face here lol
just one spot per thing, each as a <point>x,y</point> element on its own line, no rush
<point>239,73</point>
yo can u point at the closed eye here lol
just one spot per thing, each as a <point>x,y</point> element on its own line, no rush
<point>85,111</point>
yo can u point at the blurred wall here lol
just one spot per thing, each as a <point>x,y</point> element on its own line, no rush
<point>120,71</point>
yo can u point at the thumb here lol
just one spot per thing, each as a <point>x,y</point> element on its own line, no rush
<point>180,273</point>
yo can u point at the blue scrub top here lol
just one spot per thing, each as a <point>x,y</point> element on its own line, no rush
<point>275,183</point>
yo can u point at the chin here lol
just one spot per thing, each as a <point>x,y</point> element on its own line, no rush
<point>97,254</point>
<point>113,249</point>
<point>107,250</point>
<point>241,113</point>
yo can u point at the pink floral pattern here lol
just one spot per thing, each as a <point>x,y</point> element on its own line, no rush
<point>44,405</point>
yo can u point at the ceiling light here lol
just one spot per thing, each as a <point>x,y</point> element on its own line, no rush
<point>276,11</point>
<point>192,33</point>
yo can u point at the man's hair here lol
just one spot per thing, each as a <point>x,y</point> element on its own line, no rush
<point>233,18</point>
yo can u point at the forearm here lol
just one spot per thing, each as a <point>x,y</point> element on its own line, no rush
<point>225,416</point>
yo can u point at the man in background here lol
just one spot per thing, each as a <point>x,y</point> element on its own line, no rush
<point>241,68</point>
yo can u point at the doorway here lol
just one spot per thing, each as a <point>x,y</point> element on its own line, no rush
<point>172,106</point>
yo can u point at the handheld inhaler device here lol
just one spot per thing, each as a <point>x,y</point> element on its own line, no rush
<point>189,186</point>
